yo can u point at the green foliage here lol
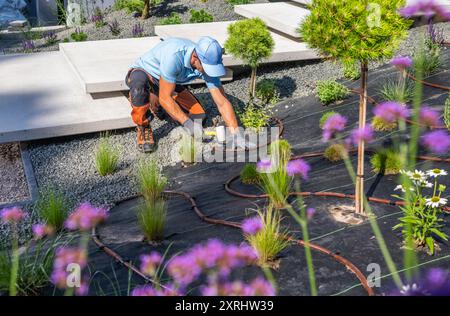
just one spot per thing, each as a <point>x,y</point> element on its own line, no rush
<point>325,117</point>
<point>188,149</point>
<point>447,113</point>
<point>151,181</point>
<point>249,174</point>
<point>387,160</point>
<point>237,2</point>
<point>52,207</point>
<point>200,16</point>
<point>173,18</point>
<point>79,36</point>
<point>395,90</point>
<point>430,61</point>
<point>351,70</point>
<point>32,35</point>
<point>269,241</point>
<point>381,125</point>
<point>335,152</point>
<point>280,151</point>
<point>250,41</point>
<point>106,157</point>
<point>152,219</point>
<point>347,30</point>
<point>330,91</point>
<point>129,5</point>
<point>422,222</point>
<point>266,91</point>
<point>255,116</point>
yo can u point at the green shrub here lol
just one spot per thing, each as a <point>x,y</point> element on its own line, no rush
<point>189,149</point>
<point>269,241</point>
<point>152,219</point>
<point>151,181</point>
<point>335,152</point>
<point>200,16</point>
<point>429,61</point>
<point>447,113</point>
<point>267,92</point>
<point>237,2</point>
<point>106,157</point>
<point>394,90</point>
<point>129,5</point>
<point>52,207</point>
<point>173,18</point>
<point>389,160</point>
<point>380,125</point>
<point>249,174</point>
<point>330,91</point>
<point>255,117</point>
<point>250,41</point>
<point>351,70</point>
<point>325,117</point>
<point>78,35</point>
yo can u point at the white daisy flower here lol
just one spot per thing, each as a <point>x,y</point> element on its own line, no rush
<point>436,173</point>
<point>427,184</point>
<point>402,188</point>
<point>418,176</point>
<point>435,201</point>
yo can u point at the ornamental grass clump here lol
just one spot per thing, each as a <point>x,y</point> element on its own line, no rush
<point>351,70</point>
<point>386,162</point>
<point>106,157</point>
<point>250,41</point>
<point>52,208</point>
<point>354,30</point>
<point>394,90</point>
<point>151,181</point>
<point>152,219</point>
<point>265,235</point>
<point>249,174</point>
<point>331,91</point>
<point>422,221</point>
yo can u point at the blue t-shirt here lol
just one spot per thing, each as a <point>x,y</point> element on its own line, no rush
<point>171,60</point>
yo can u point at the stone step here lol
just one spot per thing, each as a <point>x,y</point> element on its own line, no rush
<point>280,16</point>
<point>49,101</point>
<point>101,66</point>
<point>286,49</point>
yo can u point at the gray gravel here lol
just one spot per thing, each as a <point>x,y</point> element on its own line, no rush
<point>69,164</point>
<point>13,185</point>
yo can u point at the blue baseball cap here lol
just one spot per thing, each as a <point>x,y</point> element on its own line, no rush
<point>209,52</point>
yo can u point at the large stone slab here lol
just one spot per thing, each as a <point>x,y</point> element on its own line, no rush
<point>280,16</point>
<point>41,97</point>
<point>101,66</point>
<point>286,49</point>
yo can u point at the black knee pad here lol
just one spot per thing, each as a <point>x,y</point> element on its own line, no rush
<point>139,88</point>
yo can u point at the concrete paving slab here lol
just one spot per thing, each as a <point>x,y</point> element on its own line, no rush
<point>286,49</point>
<point>101,66</point>
<point>41,97</point>
<point>280,16</point>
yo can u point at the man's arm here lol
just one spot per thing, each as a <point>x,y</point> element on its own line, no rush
<point>166,90</point>
<point>225,107</point>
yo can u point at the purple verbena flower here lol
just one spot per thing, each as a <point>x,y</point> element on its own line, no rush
<point>437,141</point>
<point>391,111</point>
<point>310,212</point>
<point>362,134</point>
<point>298,167</point>
<point>436,282</point>
<point>64,257</point>
<point>335,123</point>
<point>402,62</point>
<point>251,226</point>
<point>12,215</point>
<point>428,8</point>
<point>429,116</point>
<point>41,230</point>
<point>85,217</point>
<point>149,263</point>
<point>264,165</point>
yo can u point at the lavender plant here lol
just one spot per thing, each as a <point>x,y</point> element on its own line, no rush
<point>28,46</point>
<point>79,35</point>
<point>138,30</point>
<point>98,18</point>
<point>114,27</point>
<point>50,38</point>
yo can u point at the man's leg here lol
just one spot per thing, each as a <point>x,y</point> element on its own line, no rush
<point>189,103</point>
<point>140,92</point>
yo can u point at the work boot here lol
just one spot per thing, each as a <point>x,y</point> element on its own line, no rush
<point>145,141</point>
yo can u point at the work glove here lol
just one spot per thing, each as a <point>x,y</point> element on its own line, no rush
<point>193,128</point>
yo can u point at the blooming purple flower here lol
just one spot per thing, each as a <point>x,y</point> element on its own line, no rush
<point>362,134</point>
<point>435,283</point>
<point>148,290</point>
<point>402,62</point>
<point>391,111</point>
<point>310,212</point>
<point>138,30</point>
<point>264,165</point>
<point>12,215</point>
<point>429,116</point>
<point>258,287</point>
<point>298,166</point>
<point>437,141</point>
<point>251,226</point>
<point>149,263</point>
<point>64,257</point>
<point>428,8</point>
<point>85,217</point>
<point>28,45</point>
<point>335,123</point>
<point>41,230</point>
